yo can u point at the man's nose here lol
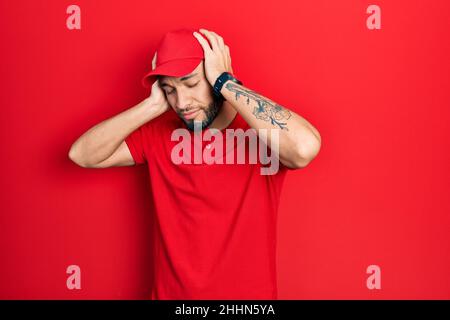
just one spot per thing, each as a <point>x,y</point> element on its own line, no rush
<point>184,102</point>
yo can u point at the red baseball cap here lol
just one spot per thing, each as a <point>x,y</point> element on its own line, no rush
<point>178,54</point>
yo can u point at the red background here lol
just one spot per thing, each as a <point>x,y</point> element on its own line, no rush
<point>378,192</point>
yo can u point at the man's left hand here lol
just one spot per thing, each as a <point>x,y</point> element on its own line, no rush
<point>217,58</point>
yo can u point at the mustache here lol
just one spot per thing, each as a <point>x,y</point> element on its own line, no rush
<point>181,112</point>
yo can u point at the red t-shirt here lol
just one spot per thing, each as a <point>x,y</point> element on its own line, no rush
<point>215,224</point>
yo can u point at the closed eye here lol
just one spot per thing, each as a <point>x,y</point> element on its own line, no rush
<point>192,85</point>
<point>189,86</point>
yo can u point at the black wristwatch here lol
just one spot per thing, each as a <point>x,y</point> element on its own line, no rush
<point>224,77</point>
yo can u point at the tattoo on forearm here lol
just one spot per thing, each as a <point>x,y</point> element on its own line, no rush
<point>265,109</point>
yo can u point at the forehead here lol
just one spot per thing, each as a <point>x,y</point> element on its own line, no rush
<point>166,80</point>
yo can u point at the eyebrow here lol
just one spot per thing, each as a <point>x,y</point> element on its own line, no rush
<point>181,79</point>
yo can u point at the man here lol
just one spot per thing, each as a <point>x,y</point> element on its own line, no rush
<point>215,228</point>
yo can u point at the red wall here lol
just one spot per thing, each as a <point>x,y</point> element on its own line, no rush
<point>378,192</point>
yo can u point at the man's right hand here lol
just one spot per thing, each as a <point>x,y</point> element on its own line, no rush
<point>157,97</point>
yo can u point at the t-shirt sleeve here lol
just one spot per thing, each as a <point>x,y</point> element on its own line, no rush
<point>136,144</point>
<point>284,167</point>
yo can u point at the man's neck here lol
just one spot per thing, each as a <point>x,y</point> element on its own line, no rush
<point>226,115</point>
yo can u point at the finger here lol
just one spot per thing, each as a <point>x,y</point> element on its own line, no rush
<point>203,42</point>
<point>227,52</point>
<point>154,61</point>
<point>219,40</point>
<point>227,49</point>
<point>212,39</point>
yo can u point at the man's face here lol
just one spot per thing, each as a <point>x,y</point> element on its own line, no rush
<point>192,97</point>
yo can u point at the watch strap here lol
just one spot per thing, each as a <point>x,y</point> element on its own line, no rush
<point>220,81</point>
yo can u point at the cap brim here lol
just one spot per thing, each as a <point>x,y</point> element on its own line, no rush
<point>174,68</point>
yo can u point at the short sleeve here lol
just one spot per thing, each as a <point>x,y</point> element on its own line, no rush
<point>136,144</point>
<point>283,167</point>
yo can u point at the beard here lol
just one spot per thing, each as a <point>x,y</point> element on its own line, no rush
<point>211,113</point>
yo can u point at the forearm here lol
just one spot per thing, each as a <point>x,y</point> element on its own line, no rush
<point>299,142</point>
<point>99,142</point>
